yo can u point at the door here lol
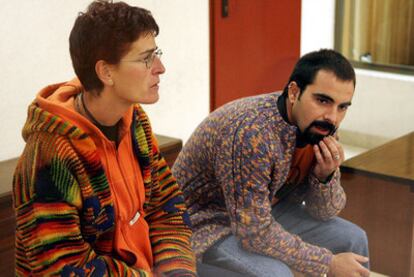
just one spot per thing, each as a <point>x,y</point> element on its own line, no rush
<point>254,46</point>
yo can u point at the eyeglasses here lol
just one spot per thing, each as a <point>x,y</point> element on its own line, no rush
<point>149,60</point>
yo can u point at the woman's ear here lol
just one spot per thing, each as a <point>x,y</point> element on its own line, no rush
<point>103,72</point>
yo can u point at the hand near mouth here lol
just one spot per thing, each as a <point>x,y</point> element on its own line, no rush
<point>329,156</point>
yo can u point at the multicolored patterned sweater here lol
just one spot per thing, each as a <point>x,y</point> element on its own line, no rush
<point>230,170</point>
<point>64,208</point>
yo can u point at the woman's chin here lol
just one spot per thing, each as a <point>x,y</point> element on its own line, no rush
<point>149,100</point>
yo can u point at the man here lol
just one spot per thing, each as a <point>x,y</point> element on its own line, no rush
<point>260,177</point>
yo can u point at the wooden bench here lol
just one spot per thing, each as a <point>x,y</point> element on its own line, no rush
<point>169,147</point>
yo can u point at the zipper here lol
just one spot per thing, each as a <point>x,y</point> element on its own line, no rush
<point>131,198</point>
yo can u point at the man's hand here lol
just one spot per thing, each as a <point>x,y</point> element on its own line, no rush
<point>348,265</point>
<point>329,156</point>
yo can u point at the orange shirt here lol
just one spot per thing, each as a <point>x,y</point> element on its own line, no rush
<point>302,162</point>
<point>122,169</point>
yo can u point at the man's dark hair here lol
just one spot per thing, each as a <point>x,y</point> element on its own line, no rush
<point>309,65</point>
<point>105,32</point>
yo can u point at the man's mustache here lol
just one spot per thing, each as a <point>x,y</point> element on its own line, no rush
<point>323,125</point>
<point>315,137</point>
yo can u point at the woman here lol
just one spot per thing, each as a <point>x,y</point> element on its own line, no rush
<point>92,194</point>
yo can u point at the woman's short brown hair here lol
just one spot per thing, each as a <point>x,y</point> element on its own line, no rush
<point>105,32</point>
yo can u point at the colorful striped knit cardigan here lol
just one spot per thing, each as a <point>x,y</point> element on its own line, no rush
<point>64,209</point>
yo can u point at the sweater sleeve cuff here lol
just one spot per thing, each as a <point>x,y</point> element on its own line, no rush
<point>314,181</point>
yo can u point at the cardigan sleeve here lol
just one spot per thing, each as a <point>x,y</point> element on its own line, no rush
<point>324,201</point>
<point>169,225</point>
<point>50,219</point>
<point>244,166</point>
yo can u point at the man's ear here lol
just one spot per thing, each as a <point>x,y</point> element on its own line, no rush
<point>293,92</point>
<point>103,72</point>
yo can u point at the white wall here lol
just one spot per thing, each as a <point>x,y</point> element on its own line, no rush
<point>383,102</point>
<point>317,25</point>
<point>185,87</point>
<point>34,52</point>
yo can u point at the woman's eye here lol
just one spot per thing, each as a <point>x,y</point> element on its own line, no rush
<point>147,58</point>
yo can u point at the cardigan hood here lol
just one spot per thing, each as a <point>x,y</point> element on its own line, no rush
<point>41,120</point>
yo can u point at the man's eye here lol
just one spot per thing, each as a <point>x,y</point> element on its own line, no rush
<point>323,101</point>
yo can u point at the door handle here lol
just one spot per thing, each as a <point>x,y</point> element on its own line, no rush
<point>224,8</point>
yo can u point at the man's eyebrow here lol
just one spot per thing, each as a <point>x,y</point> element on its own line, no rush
<point>330,99</point>
<point>345,104</point>
<point>324,96</point>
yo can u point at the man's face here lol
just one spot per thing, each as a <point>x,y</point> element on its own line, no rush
<point>320,109</point>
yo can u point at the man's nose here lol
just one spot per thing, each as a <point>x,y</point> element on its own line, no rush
<point>331,115</point>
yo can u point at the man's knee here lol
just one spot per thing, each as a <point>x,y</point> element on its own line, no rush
<point>359,233</point>
<point>354,238</point>
<point>358,238</point>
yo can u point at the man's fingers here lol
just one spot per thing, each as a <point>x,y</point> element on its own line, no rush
<point>326,153</point>
<point>364,272</point>
<point>340,148</point>
<point>360,258</point>
<point>334,148</point>
<point>318,154</point>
